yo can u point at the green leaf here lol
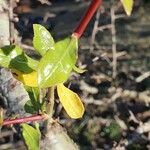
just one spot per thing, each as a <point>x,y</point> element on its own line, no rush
<point>37,126</point>
<point>13,57</point>
<point>34,93</point>
<point>8,53</point>
<point>79,70</point>
<point>128,5</point>
<point>33,105</point>
<point>32,63</point>
<point>22,63</point>
<point>31,137</point>
<point>56,65</point>
<point>29,108</point>
<point>42,40</point>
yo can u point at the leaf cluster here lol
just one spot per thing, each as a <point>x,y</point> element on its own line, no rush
<point>57,61</point>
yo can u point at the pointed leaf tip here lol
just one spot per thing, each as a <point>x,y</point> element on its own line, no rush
<point>70,101</point>
<point>128,6</point>
<point>79,70</point>
<point>31,137</point>
<point>42,40</point>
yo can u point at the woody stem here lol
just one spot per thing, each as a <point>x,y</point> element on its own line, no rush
<point>86,18</point>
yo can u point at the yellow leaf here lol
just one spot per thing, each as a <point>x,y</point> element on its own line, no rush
<point>29,79</point>
<point>70,101</point>
<point>128,5</point>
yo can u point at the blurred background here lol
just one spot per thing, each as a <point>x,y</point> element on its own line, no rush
<point>115,89</point>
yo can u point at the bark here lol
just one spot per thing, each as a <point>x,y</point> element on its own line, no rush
<point>4,23</point>
<point>56,138</point>
<point>12,93</point>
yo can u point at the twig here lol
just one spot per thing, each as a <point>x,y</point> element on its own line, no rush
<point>101,28</point>
<point>45,2</point>
<point>24,46</point>
<point>120,93</point>
<point>87,17</point>
<point>113,32</point>
<point>49,107</point>
<point>120,16</point>
<point>143,115</point>
<point>94,30</point>
<point>132,117</point>
<point>143,128</point>
<point>143,76</point>
<point>25,119</point>
<point>86,87</point>
<point>50,102</point>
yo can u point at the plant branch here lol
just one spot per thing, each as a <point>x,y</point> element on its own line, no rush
<point>94,32</point>
<point>49,107</point>
<point>86,18</point>
<point>25,119</point>
<point>50,102</point>
<point>114,46</point>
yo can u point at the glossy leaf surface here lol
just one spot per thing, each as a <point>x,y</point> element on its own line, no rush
<point>56,65</point>
<point>13,57</point>
<point>70,101</point>
<point>31,137</point>
<point>8,53</point>
<point>128,5</point>
<point>42,40</point>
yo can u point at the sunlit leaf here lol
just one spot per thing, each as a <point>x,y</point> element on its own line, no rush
<point>29,79</point>
<point>42,40</point>
<point>128,5</point>
<point>23,64</point>
<point>70,101</point>
<point>56,65</point>
<point>31,137</point>
<point>8,53</point>
<point>13,57</point>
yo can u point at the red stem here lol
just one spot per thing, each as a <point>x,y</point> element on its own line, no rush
<point>23,120</point>
<point>86,18</point>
